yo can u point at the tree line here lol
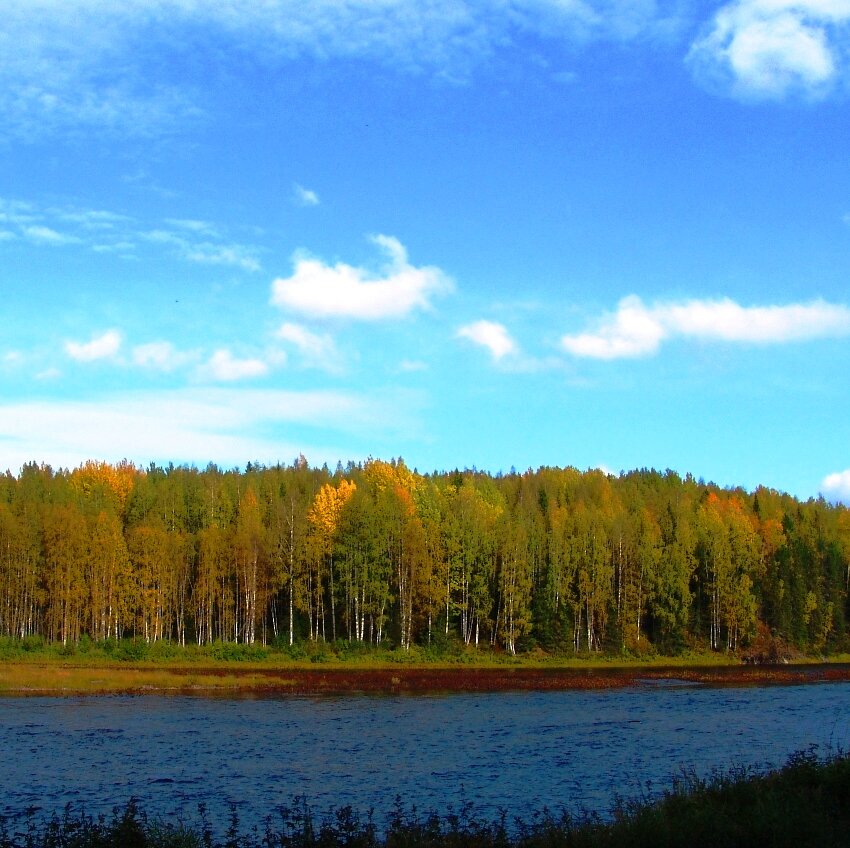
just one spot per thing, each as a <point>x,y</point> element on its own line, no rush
<point>376,553</point>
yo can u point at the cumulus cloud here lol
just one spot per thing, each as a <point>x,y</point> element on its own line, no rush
<point>319,290</point>
<point>632,331</point>
<point>490,335</point>
<point>770,48</point>
<point>636,330</point>
<point>105,346</point>
<point>836,487</point>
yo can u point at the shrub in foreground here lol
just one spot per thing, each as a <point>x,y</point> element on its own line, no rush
<point>807,803</point>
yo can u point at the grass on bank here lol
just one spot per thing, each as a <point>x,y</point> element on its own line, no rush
<point>807,803</point>
<point>34,649</point>
<point>32,665</point>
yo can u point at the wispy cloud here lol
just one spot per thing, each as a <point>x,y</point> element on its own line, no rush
<point>771,48</point>
<point>93,63</point>
<point>305,196</point>
<point>89,219</point>
<point>46,235</point>
<point>225,425</point>
<point>103,231</point>
<point>225,367</point>
<point>105,346</point>
<point>319,290</point>
<point>207,252</point>
<point>203,228</point>
<point>492,336</point>
<point>317,350</point>
<point>636,330</point>
<point>836,487</point>
<point>17,212</point>
<point>411,366</point>
<point>161,356</point>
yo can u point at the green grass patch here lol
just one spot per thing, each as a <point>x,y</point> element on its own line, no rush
<point>442,653</point>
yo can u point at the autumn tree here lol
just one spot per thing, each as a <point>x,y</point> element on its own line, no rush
<point>66,552</point>
<point>109,579</point>
<point>324,517</point>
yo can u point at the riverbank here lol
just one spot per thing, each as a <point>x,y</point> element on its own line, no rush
<point>66,677</point>
<point>800,805</point>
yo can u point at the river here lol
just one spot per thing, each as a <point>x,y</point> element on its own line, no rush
<point>511,751</point>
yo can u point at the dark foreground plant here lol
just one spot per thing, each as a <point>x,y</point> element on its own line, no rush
<point>807,803</point>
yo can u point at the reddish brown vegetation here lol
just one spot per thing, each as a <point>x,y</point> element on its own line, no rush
<point>426,680</point>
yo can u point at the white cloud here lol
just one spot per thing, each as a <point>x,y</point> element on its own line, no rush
<point>632,331</point>
<point>90,219</point>
<point>120,247</point>
<point>636,330</point>
<point>48,374</point>
<point>219,254</point>
<point>770,48</point>
<point>16,212</point>
<point>305,196</point>
<point>490,335</point>
<point>836,487</point>
<point>317,350</point>
<point>160,356</point>
<point>46,235</point>
<point>206,252</point>
<point>223,425</point>
<point>103,231</point>
<point>343,291</point>
<point>411,366</point>
<point>224,366</point>
<point>105,346</point>
<point>193,225</point>
<point>96,63</point>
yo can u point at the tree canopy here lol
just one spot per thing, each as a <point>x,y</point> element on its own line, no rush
<point>376,553</point>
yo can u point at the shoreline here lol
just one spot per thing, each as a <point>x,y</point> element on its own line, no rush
<point>46,679</point>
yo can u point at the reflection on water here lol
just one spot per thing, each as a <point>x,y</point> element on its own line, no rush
<point>517,752</point>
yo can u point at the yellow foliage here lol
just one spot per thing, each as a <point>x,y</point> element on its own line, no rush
<point>327,507</point>
<point>382,475</point>
<point>116,481</point>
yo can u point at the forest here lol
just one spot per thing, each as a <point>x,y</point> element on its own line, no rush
<point>375,553</point>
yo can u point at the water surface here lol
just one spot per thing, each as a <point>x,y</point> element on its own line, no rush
<point>514,751</point>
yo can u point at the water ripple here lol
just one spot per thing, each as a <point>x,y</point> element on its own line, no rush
<point>516,752</point>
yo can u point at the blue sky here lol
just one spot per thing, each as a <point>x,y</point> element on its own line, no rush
<point>495,233</point>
